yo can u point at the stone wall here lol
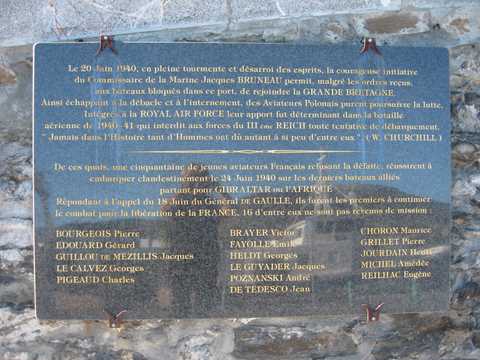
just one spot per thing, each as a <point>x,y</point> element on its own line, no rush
<point>455,24</point>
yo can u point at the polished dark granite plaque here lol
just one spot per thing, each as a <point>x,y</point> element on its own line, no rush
<point>240,180</point>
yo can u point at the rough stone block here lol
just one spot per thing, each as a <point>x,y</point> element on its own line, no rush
<point>7,76</point>
<point>246,9</point>
<point>15,97</point>
<point>16,18</point>
<point>465,68</point>
<point>15,233</point>
<point>66,19</point>
<point>194,12</point>
<point>16,290</point>
<point>274,342</point>
<point>428,4</point>
<point>317,7</point>
<point>400,22</point>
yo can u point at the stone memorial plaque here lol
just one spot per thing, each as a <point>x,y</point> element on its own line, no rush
<point>196,180</point>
